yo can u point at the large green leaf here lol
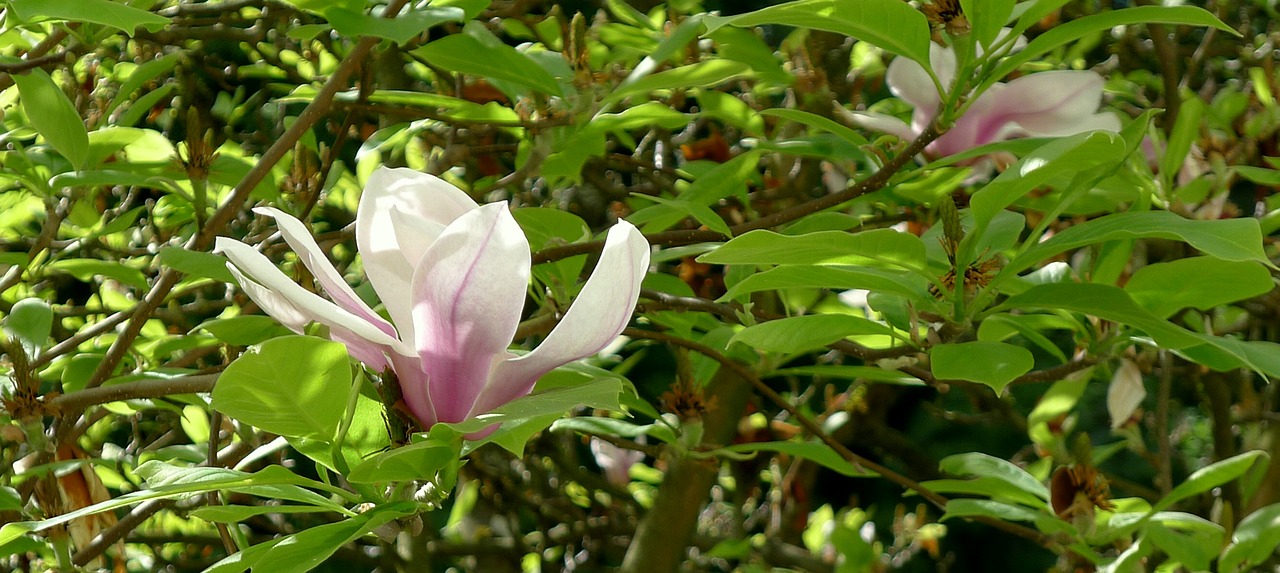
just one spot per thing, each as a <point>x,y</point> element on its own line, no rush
<point>879,247</point>
<point>418,461</point>
<point>1102,22</point>
<point>1104,301</point>
<point>800,333</point>
<point>524,417</point>
<point>1254,540</point>
<point>1089,152</point>
<point>995,364</point>
<point>978,464</point>
<point>1229,239</point>
<point>889,24</point>
<point>1196,282</point>
<point>1188,539</point>
<point>115,14</point>
<point>88,270</point>
<point>1211,476</point>
<point>53,115</point>
<point>481,54</point>
<point>293,386</point>
<point>986,17</point>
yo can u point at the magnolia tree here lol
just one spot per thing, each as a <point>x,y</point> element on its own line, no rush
<point>831,285</point>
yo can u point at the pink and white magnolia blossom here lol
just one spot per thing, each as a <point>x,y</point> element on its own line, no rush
<point>452,275</point>
<point>1045,104</point>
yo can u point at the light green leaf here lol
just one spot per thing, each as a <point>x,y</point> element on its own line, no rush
<point>1229,239</point>
<point>889,24</point>
<point>243,330</point>
<point>986,17</point>
<point>542,408</point>
<point>419,461</point>
<point>304,550</point>
<point>1254,540</point>
<point>238,513</point>
<point>1190,540</point>
<point>196,263</point>
<point>53,115</point>
<point>88,270</point>
<point>30,321</point>
<point>879,247</point>
<point>816,452</point>
<point>114,14</point>
<point>989,508</point>
<point>800,333</point>
<point>293,386</point>
<point>818,122</point>
<point>986,486</point>
<point>995,364</point>
<point>1211,476</point>
<point>1196,282</point>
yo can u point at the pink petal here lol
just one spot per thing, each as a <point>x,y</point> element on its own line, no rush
<point>301,302</point>
<point>309,252</point>
<point>467,298</point>
<point>1050,103</point>
<point>595,318</point>
<point>413,388</point>
<point>909,80</point>
<point>385,245</point>
<point>882,123</point>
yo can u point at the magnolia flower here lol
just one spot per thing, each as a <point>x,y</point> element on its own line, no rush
<point>1053,103</point>
<point>452,275</point>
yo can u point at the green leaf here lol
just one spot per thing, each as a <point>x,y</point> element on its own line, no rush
<point>1185,132</point>
<point>701,74</point>
<point>889,24</point>
<point>719,182</point>
<point>1102,22</point>
<point>196,263</point>
<point>105,12</point>
<point>995,364</point>
<point>816,452</point>
<point>238,513</point>
<point>1211,476</point>
<point>978,464</point>
<point>683,207</point>
<point>801,333</point>
<point>1190,540</point>
<point>470,53</point>
<point>1001,326</point>
<point>1088,152</point>
<point>542,408</point>
<point>401,29</point>
<point>30,321</point>
<point>878,247</point>
<point>53,115</point>
<point>88,270</point>
<point>293,386</point>
<point>243,330</point>
<point>986,486</point>
<point>989,508</point>
<point>1229,239</point>
<point>1254,540</point>
<point>420,461</point>
<point>836,277</point>
<point>986,17</point>
<point>1196,282</point>
<point>304,550</point>
<point>167,481</point>
<point>1059,399</point>
<point>818,122</point>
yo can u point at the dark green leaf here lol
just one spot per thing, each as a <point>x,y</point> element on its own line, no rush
<point>401,29</point>
<point>468,54</point>
<point>1196,282</point>
<point>982,465</point>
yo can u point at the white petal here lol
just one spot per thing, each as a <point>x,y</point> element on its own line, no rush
<point>1051,103</point>
<point>257,267</point>
<point>909,80</point>
<point>1125,393</point>
<point>309,252</point>
<point>273,304</point>
<point>385,258</point>
<point>595,318</point>
<point>467,300</point>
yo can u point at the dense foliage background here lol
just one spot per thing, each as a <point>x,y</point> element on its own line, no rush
<point>851,353</point>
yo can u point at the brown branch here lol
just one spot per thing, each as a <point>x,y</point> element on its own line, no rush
<point>152,388</point>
